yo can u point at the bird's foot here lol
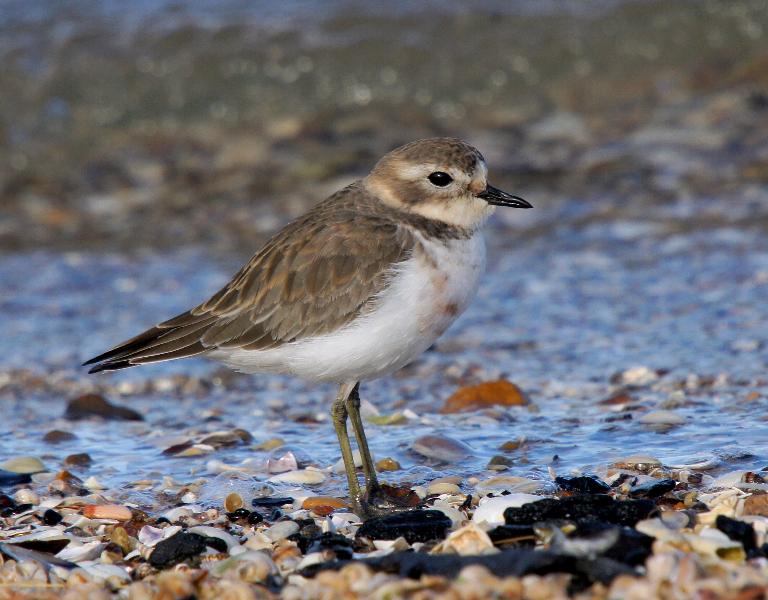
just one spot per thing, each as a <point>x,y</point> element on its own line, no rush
<point>382,499</point>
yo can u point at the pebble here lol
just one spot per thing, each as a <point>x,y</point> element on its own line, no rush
<point>302,476</point>
<point>315,502</point>
<point>435,489</point>
<point>470,540</point>
<point>387,464</point>
<point>441,448</point>
<point>414,526</point>
<point>114,512</point>
<point>490,511</point>
<point>510,483</point>
<point>638,376</point>
<point>56,436</point>
<point>282,530</point>
<point>586,484</point>
<point>23,465</point>
<point>83,459</point>
<point>662,418</point>
<point>483,395</point>
<point>175,549</point>
<point>233,501</point>
<point>638,462</point>
<point>94,405</point>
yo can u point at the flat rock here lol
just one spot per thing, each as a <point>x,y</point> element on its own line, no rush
<point>653,489</point>
<point>94,405</point>
<point>585,484</point>
<point>414,526</point>
<point>23,465</point>
<point>441,448</point>
<point>57,436</point>
<point>176,549</point>
<point>582,508</point>
<point>483,395</point>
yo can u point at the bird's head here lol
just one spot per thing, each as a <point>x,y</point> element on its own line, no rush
<point>439,178</point>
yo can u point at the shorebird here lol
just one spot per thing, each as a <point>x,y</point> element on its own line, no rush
<point>353,290</point>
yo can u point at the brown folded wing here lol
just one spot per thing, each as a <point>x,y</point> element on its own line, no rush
<point>314,276</point>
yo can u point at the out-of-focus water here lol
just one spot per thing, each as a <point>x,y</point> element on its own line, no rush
<point>558,314</point>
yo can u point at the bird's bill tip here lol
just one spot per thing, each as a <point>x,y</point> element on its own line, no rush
<point>498,197</point>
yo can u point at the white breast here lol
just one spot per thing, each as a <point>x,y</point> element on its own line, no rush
<point>429,291</point>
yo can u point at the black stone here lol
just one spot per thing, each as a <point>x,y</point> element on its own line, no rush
<point>653,489</point>
<point>15,510</point>
<point>505,536</point>
<point>240,513</point>
<point>595,507</point>
<point>8,478</point>
<point>255,518</point>
<point>340,545</point>
<point>215,543</point>
<point>94,405</point>
<point>414,526</point>
<point>584,484</point>
<point>176,549</point>
<point>739,531</point>
<point>508,563</point>
<point>6,501</point>
<point>631,547</point>
<point>271,501</point>
<point>51,517</point>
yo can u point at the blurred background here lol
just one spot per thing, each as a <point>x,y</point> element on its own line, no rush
<point>158,123</point>
<point>147,149</point>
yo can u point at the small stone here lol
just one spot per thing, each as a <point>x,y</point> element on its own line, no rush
<point>115,512</point>
<point>23,465</point>
<point>120,537</point>
<point>26,496</point>
<point>176,549</point>
<point>499,463</point>
<point>638,376</point>
<point>282,530</point>
<point>441,487</point>
<point>322,502</point>
<point>756,504</point>
<point>387,464</point>
<point>83,459</point>
<point>414,526</point>
<point>233,502</point>
<point>640,463</point>
<point>57,436</point>
<point>51,517</point>
<point>653,489</point>
<point>511,445</point>
<point>441,448</point>
<point>94,405</point>
<point>585,484</point>
<point>662,419</point>
<point>483,395</point>
<point>271,501</point>
<point>302,476</point>
<point>270,444</point>
<point>7,478</point>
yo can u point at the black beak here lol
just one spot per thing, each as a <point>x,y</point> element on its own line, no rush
<point>496,197</point>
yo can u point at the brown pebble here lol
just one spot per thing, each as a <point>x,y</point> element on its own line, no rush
<point>120,537</point>
<point>387,464</point>
<point>83,459</point>
<point>756,504</point>
<point>322,504</point>
<point>233,501</point>
<point>56,436</point>
<point>619,398</point>
<point>483,395</point>
<point>94,405</point>
<point>116,512</point>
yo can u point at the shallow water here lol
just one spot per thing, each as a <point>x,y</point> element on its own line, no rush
<point>562,315</point>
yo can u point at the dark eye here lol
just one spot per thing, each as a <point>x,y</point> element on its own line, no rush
<point>439,178</point>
